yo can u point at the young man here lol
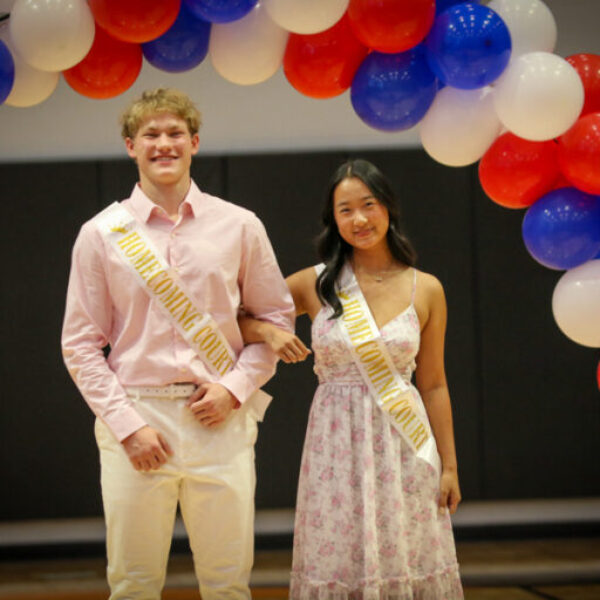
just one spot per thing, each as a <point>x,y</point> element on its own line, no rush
<point>160,278</point>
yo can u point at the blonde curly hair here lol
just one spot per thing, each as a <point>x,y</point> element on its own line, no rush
<point>159,100</point>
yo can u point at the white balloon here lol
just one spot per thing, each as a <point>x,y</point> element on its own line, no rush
<point>306,16</point>
<point>52,35</point>
<point>460,126</point>
<point>249,50</point>
<point>31,86</point>
<point>576,304</point>
<point>531,25</point>
<point>539,96</point>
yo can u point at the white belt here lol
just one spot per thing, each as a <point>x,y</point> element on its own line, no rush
<point>173,390</point>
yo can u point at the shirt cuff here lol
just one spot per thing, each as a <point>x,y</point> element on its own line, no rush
<point>124,423</point>
<point>239,385</point>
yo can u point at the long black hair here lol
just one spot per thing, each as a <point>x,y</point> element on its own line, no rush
<point>333,250</point>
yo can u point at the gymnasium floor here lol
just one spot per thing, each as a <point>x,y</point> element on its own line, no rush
<point>523,550</point>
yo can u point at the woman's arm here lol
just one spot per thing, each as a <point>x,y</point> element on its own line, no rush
<point>432,385</point>
<point>286,345</point>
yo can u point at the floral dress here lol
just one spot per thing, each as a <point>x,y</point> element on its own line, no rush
<point>367,522</point>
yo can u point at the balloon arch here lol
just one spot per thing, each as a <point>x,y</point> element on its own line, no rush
<point>480,79</point>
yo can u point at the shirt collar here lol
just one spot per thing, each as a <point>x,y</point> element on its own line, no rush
<point>194,199</point>
<point>143,206</point>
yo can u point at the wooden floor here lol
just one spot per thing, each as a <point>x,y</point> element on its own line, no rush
<point>552,569</point>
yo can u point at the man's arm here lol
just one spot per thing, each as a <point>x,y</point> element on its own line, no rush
<point>265,295</point>
<point>86,330</point>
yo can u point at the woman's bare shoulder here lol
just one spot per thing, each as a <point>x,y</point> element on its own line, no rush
<point>430,299</point>
<point>302,286</point>
<point>429,284</point>
<point>303,276</point>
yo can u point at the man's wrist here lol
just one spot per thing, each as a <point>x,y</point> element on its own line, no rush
<point>235,403</point>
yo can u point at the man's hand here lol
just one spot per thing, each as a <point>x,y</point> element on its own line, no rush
<point>147,449</point>
<point>211,404</point>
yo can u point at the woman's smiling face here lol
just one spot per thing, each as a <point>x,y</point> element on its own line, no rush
<point>361,219</point>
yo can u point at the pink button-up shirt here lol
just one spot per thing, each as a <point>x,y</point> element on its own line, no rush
<point>222,253</point>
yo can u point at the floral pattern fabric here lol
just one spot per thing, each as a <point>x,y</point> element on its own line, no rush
<point>367,522</point>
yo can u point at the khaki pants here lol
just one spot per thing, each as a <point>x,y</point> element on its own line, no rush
<point>211,476</point>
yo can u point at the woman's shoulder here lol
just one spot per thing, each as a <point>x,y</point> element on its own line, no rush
<point>307,274</point>
<point>302,286</point>
<point>429,285</point>
<point>430,298</point>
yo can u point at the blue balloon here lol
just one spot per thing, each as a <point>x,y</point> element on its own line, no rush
<point>442,5</point>
<point>393,92</point>
<point>7,72</point>
<point>468,46</point>
<point>220,11</point>
<point>561,230</point>
<point>183,46</point>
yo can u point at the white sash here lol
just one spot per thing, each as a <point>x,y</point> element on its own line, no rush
<point>389,390</point>
<point>162,283</point>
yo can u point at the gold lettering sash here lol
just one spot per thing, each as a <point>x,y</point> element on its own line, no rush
<point>162,283</point>
<point>391,393</point>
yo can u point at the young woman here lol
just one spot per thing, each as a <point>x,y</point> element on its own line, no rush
<point>378,478</point>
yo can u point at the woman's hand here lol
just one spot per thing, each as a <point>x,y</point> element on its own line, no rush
<point>288,347</point>
<point>449,491</point>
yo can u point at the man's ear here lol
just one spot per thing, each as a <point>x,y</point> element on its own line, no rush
<point>130,148</point>
<point>195,143</point>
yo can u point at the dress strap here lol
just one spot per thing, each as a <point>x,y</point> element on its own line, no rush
<point>414,288</point>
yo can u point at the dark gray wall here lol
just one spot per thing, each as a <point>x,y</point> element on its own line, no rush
<point>527,411</point>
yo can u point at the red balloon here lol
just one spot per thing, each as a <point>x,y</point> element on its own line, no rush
<point>515,172</point>
<point>322,65</point>
<point>135,21</point>
<point>109,68</point>
<point>391,25</point>
<point>579,154</point>
<point>588,68</point>
<point>561,182</point>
